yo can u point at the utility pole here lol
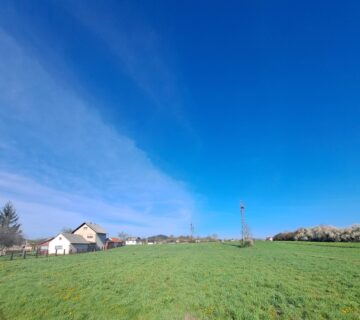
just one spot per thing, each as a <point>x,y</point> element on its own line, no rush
<point>245,233</point>
<point>242,219</point>
<point>191,231</point>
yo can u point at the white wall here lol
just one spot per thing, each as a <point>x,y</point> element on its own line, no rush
<point>130,242</point>
<point>60,243</point>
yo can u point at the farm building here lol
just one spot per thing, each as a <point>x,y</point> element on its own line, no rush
<point>65,243</point>
<point>43,247</point>
<point>131,241</point>
<point>113,242</point>
<point>86,237</point>
<point>94,234</point>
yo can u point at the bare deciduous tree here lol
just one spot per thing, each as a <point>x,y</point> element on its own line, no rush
<point>66,230</point>
<point>122,235</point>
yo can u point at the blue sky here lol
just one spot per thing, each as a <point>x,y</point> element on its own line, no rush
<point>145,116</point>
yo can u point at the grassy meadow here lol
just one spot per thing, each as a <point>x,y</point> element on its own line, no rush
<point>272,280</point>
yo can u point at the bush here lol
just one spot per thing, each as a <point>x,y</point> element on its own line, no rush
<point>248,243</point>
<point>322,233</point>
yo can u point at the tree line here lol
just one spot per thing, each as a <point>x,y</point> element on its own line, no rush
<point>161,238</point>
<point>321,233</point>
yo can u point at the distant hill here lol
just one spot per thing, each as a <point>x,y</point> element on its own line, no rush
<point>160,237</point>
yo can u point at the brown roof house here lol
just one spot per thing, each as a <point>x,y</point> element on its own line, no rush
<point>94,234</point>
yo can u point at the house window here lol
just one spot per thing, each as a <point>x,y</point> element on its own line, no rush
<point>58,247</point>
<point>90,237</point>
<point>60,238</point>
<point>85,228</point>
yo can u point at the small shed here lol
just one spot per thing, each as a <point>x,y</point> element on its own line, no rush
<point>113,242</point>
<point>43,247</point>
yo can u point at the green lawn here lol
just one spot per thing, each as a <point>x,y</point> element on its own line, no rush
<point>279,280</point>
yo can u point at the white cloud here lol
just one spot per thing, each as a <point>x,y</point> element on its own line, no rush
<point>44,211</point>
<point>63,162</point>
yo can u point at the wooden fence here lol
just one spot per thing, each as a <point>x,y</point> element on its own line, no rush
<point>36,253</point>
<point>19,254</point>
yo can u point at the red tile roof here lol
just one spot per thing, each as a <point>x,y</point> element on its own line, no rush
<point>46,242</point>
<point>112,239</point>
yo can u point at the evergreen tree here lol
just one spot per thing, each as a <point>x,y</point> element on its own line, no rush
<point>10,232</point>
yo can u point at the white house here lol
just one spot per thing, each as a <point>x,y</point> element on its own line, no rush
<point>131,241</point>
<point>65,243</point>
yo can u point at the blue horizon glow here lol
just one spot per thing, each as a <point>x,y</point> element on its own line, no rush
<point>144,117</point>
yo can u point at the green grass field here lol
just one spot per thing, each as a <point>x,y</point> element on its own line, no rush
<point>279,280</point>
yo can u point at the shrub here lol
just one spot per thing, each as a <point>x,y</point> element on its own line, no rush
<point>248,243</point>
<point>322,233</point>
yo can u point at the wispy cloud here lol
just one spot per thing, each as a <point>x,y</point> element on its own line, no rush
<point>62,163</point>
<point>140,51</point>
<point>44,210</point>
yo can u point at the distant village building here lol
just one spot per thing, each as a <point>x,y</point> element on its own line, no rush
<point>131,241</point>
<point>114,243</point>
<point>25,246</point>
<point>269,238</point>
